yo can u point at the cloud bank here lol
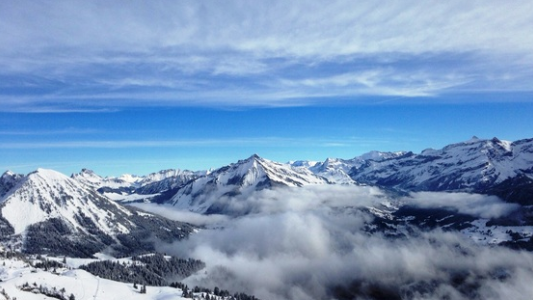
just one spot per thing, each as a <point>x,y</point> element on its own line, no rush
<point>312,243</point>
<point>472,204</point>
<point>179,215</point>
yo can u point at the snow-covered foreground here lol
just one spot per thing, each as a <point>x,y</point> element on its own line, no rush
<point>15,273</point>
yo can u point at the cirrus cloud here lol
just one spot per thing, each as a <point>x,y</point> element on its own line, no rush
<point>94,55</point>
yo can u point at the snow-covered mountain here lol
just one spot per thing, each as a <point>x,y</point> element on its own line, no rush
<point>337,170</point>
<point>488,166</point>
<point>127,186</point>
<point>90,179</point>
<point>477,165</point>
<point>245,176</point>
<point>311,208</point>
<point>9,180</point>
<point>166,180</point>
<point>474,165</point>
<point>303,163</point>
<point>48,209</point>
<point>46,194</point>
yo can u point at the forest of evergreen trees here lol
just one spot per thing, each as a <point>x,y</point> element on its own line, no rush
<point>158,270</point>
<point>153,269</point>
<point>207,294</point>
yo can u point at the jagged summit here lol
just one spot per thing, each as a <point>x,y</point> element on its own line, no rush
<point>338,170</point>
<point>250,160</point>
<point>473,139</point>
<point>254,156</point>
<point>303,163</point>
<point>245,176</point>
<point>380,155</point>
<point>119,188</point>
<point>469,166</point>
<point>8,181</point>
<point>7,173</point>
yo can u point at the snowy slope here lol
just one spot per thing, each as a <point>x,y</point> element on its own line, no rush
<point>49,212</point>
<point>303,163</point>
<point>337,170</point>
<point>469,166</point>
<point>131,187</point>
<point>8,180</point>
<point>95,181</point>
<point>166,180</point>
<point>46,194</point>
<point>84,286</point>
<point>252,174</point>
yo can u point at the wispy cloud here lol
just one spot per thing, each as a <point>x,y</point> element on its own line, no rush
<point>66,131</point>
<point>265,53</point>
<point>218,142</point>
<point>382,82</point>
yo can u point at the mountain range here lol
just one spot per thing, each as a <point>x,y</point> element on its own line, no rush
<point>89,212</point>
<point>331,212</point>
<point>487,166</point>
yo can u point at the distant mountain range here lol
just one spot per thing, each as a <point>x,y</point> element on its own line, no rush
<point>477,165</point>
<point>487,166</point>
<point>85,211</point>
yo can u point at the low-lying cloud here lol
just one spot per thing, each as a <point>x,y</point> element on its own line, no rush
<point>312,243</point>
<point>171,213</point>
<point>283,199</point>
<point>472,204</point>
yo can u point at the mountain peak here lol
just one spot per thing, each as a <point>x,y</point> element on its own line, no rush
<point>46,194</point>
<point>244,177</point>
<point>473,140</point>
<point>47,174</point>
<point>252,159</point>
<point>8,173</point>
<point>254,156</point>
<point>9,180</point>
<point>87,171</point>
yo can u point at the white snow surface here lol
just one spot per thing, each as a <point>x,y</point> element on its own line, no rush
<point>46,194</point>
<point>482,234</point>
<point>90,178</point>
<point>337,170</point>
<point>126,188</point>
<point>83,285</point>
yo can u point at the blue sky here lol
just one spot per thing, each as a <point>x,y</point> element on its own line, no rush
<point>136,86</point>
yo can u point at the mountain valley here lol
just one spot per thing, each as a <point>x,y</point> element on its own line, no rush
<point>470,200</point>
